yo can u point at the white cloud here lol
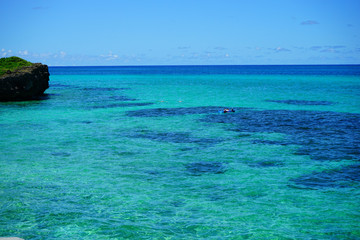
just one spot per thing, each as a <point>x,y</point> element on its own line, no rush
<point>329,49</point>
<point>110,56</point>
<point>220,48</point>
<point>5,53</point>
<point>184,48</point>
<point>24,53</point>
<point>281,49</point>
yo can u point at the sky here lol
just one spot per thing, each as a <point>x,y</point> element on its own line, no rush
<point>181,32</point>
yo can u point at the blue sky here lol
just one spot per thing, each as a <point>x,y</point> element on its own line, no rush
<point>177,32</point>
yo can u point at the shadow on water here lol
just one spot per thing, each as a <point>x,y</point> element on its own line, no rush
<point>29,102</point>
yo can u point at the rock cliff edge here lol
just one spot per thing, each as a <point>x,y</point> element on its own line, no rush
<point>25,83</point>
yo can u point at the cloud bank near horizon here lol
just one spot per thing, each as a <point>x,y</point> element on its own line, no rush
<point>184,56</point>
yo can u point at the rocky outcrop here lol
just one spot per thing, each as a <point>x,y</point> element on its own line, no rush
<point>26,83</point>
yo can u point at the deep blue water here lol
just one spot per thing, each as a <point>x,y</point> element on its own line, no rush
<point>203,70</point>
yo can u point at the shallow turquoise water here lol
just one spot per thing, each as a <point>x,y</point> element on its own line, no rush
<point>148,156</point>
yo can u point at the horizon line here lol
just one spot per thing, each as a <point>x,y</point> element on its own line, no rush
<point>205,65</point>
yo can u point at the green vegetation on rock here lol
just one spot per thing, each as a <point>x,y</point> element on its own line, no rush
<point>11,64</point>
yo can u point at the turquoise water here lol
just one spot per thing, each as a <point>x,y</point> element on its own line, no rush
<point>144,153</point>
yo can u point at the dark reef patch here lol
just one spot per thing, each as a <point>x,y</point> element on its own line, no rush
<point>302,102</point>
<point>199,168</point>
<point>103,89</point>
<point>61,154</point>
<point>124,153</point>
<point>168,112</point>
<point>102,95</point>
<point>122,98</point>
<point>115,105</point>
<point>269,142</point>
<point>88,89</point>
<point>173,137</point>
<point>99,97</point>
<point>335,178</point>
<point>321,135</point>
<point>184,149</point>
<point>266,163</point>
<point>86,122</point>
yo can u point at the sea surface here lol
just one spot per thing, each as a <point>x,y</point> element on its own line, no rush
<point>147,153</point>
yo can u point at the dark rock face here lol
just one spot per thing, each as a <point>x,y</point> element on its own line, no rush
<point>26,83</point>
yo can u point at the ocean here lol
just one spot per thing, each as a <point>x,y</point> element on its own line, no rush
<point>147,152</point>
